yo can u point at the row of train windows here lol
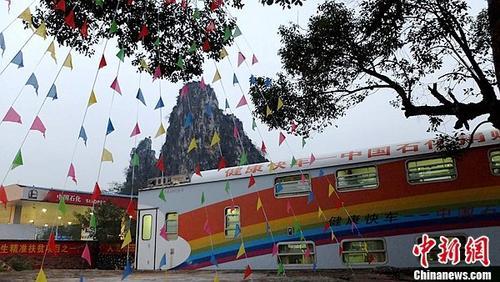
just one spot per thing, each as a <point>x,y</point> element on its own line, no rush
<point>417,171</point>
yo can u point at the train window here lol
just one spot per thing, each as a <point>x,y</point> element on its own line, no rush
<point>357,178</point>
<point>292,185</point>
<point>232,222</point>
<point>432,255</point>
<point>147,226</point>
<point>436,169</point>
<point>293,253</point>
<point>495,162</point>
<point>363,251</point>
<point>172,223</point>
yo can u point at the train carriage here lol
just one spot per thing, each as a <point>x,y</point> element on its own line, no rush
<point>361,208</point>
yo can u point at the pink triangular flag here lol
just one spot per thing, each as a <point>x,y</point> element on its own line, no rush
<point>86,255</point>
<point>206,228</point>
<point>263,148</point>
<point>294,126</point>
<point>275,249</point>
<point>288,207</point>
<point>307,253</point>
<point>136,130</point>
<point>157,73</point>
<point>184,90</point>
<point>312,159</point>
<point>210,27</point>
<point>116,86</point>
<point>243,101</point>
<point>71,173</point>
<point>282,138</point>
<point>12,116</point>
<point>203,86</point>
<point>236,133</point>
<point>302,178</point>
<point>254,59</point>
<point>163,232</point>
<point>241,58</point>
<point>38,126</point>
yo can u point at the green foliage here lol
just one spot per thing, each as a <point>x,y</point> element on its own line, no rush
<point>109,222</point>
<point>175,27</point>
<point>431,51</point>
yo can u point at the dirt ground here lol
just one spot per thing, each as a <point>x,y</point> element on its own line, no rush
<point>60,275</point>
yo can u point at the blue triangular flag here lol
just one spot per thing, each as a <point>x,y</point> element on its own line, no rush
<point>159,104</point>
<point>82,279</point>
<point>2,43</point>
<point>268,228</point>
<point>163,260</point>
<point>253,80</point>
<point>235,79</point>
<point>310,197</point>
<point>140,97</point>
<point>188,120</point>
<point>127,271</point>
<point>279,187</point>
<point>237,231</point>
<point>314,267</point>
<point>83,135</point>
<point>18,60</point>
<point>321,172</point>
<point>110,128</point>
<point>33,82</point>
<point>213,260</point>
<point>208,109</point>
<point>52,92</point>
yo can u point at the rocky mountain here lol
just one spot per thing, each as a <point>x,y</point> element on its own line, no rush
<point>197,115</point>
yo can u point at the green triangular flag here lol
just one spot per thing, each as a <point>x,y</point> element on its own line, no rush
<point>254,124</point>
<point>237,32</point>
<point>227,187</point>
<point>99,2</point>
<point>162,195</point>
<point>157,42</point>
<point>114,27</point>
<point>180,62</point>
<point>202,198</point>
<point>18,160</point>
<point>93,222</point>
<point>294,161</point>
<point>227,34</point>
<point>62,206</point>
<point>196,14</point>
<point>243,158</point>
<point>193,47</point>
<point>281,269</point>
<point>296,226</point>
<point>227,104</point>
<point>303,142</point>
<point>135,160</point>
<point>121,54</point>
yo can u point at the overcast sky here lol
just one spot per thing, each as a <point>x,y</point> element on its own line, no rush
<point>46,160</point>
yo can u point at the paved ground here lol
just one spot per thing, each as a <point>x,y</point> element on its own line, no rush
<point>108,275</point>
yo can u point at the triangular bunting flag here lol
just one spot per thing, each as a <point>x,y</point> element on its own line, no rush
<point>68,62</point>
<point>227,104</point>
<point>52,92</point>
<point>127,240</point>
<point>107,156</point>
<point>227,187</point>
<point>33,81</point>
<point>303,142</point>
<point>83,135</point>
<point>159,104</point>
<point>144,32</point>
<point>216,277</point>
<point>121,54</point>
<point>140,97</point>
<point>163,261</point>
<point>223,53</point>
<point>113,27</point>
<point>263,148</point>
<point>136,131</point>
<point>247,273</point>
<point>330,190</point>
<point>116,86</point>
<point>93,221</point>
<point>259,203</point>
<point>62,206</point>
<point>18,160</point>
<point>72,173</point>
<point>18,60</point>
<point>192,145</point>
<point>237,32</point>
<point>202,198</point>
<point>135,160</point>
<point>213,260</point>
<point>282,138</point>
<point>235,79</point>
<point>251,181</point>
<point>254,60</point>
<point>12,116</point>
<point>180,63</point>
<point>197,169</point>
<point>242,102</point>
<point>216,76</point>
<point>241,251</point>
<point>3,196</point>
<point>281,269</point>
<point>86,255</point>
<point>70,19</point>
<point>163,231</point>
<point>162,195</point>
<point>127,271</point>
<point>310,197</point>
<point>157,73</point>
<point>268,111</point>
<point>52,50</point>
<point>241,58</point>
<point>41,276</point>
<point>312,159</point>
<point>42,31</point>
<point>131,211</point>
<point>103,62</point>
<point>280,104</point>
<point>215,139</point>
<point>243,159</point>
<point>160,165</point>
<point>27,17</point>
<point>222,163</point>
<point>96,193</point>
<point>293,162</point>
<point>161,131</point>
<point>254,124</point>
<point>2,43</point>
<point>92,99</point>
<point>320,212</point>
<point>51,244</point>
<point>38,126</point>
<point>203,85</point>
<point>275,250</point>
<point>110,127</point>
<point>237,230</point>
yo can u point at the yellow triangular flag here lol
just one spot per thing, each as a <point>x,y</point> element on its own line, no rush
<point>241,251</point>
<point>268,111</point>
<point>27,17</point>
<point>320,212</point>
<point>330,190</point>
<point>223,53</point>
<point>216,76</point>
<point>42,31</point>
<point>106,156</point>
<point>216,278</point>
<point>259,203</point>
<point>127,240</point>
<point>52,51</point>
<point>143,64</point>
<point>68,62</point>
<point>215,139</point>
<point>280,103</point>
<point>160,131</point>
<point>92,99</point>
<point>41,276</point>
<point>192,145</point>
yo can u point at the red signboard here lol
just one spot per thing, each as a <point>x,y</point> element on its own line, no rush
<point>37,248</point>
<point>83,199</point>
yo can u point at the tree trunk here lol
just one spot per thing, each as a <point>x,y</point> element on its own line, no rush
<point>494,18</point>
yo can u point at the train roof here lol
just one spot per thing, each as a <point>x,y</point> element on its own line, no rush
<point>344,158</point>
